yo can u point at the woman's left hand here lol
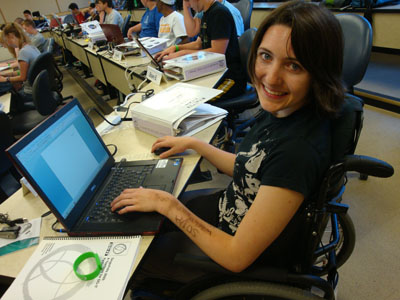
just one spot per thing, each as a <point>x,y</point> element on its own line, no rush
<point>142,199</point>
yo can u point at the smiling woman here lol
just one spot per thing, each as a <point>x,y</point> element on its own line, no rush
<point>295,64</point>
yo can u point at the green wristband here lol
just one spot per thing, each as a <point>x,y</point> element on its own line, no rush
<point>176,48</point>
<point>83,257</point>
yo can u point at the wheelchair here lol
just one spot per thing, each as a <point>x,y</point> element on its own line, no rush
<point>327,231</point>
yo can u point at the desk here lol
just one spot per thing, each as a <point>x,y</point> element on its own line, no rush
<point>131,143</point>
<point>5,101</point>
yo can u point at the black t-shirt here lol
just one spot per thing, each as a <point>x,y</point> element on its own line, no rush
<point>292,153</point>
<point>217,23</point>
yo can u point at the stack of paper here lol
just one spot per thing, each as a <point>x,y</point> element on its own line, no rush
<point>94,31</point>
<point>178,110</point>
<point>152,44</point>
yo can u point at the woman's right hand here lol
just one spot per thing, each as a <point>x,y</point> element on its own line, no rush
<point>176,145</point>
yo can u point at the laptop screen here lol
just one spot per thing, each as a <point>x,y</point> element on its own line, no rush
<point>64,159</point>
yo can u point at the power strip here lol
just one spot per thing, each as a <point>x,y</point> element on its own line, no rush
<point>104,127</point>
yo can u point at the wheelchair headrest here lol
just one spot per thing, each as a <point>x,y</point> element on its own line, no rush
<point>357,33</point>
<point>346,128</point>
<point>245,42</point>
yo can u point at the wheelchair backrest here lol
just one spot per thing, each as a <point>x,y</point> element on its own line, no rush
<point>345,131</point>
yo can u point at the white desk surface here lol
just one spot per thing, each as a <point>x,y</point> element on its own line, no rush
<point>131,144</point>
<point>5,101</point>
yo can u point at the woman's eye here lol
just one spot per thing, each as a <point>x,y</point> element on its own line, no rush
<point>265,56</point>
<point>294,67</point>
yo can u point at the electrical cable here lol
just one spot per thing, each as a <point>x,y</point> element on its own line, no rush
<point>115,148</point>
<point>4,219</point>
<point>57,229</point>
<point>102,116</point>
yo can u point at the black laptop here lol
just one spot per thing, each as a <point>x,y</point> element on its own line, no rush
<point>70,167</point>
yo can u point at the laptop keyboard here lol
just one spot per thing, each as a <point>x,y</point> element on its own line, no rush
<point>122,178</point>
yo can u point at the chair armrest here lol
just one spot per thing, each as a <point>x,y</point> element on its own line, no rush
<point>368,165</point>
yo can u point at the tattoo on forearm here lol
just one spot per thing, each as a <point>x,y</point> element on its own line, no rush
<point>190,225</point>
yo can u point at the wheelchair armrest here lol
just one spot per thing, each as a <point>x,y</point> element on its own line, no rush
<point>368,165</point>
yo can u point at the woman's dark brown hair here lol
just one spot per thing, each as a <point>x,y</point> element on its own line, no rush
<point>317,42</point>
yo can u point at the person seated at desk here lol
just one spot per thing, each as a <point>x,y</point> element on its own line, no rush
<point>28,16</point>
<point>90,12</point>
<point>150,22</point>
<point>171,23</point>
<point>278,166</point>
<point>217,34</point>
<point>37,39</point>
<point>19,20</point>
<point>78,15</point>
<point>15,37</point>
<point>192,24</point>
<point>111,16</point>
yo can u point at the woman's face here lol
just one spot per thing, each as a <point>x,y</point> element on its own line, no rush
<point>11,40</point>
<point>282,83</point>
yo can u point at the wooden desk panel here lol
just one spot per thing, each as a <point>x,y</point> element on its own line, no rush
<point>78,50</point>
<point>115,72</point>
<point>95,65</point>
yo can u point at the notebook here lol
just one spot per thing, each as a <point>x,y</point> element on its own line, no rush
<point>70,167</point>
<point>48,274</point>
<point>113,33</point>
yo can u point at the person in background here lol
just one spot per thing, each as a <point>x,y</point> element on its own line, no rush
<point>78,15</point>
<point>279,165</point>
<point>35,36</point>
<point>217,34</point>
<point>18,20</point>
<point>171,23</point>
<point>28,16</point>
<point>89,12</point>
<point>150,23</point>
<point>111,16</point>
<point>192,24</point>
<point>15,37</point>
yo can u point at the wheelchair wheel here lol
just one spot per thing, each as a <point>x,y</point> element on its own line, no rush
<point>254,290</point>
<point>345,246</point>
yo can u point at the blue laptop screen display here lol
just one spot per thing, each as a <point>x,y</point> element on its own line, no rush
<point>64,159</point>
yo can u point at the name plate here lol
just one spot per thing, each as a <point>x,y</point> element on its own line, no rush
<point>117,55</point>
<point>154,75</point>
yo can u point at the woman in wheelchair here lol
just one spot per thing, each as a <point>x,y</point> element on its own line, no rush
<point>295,64</point>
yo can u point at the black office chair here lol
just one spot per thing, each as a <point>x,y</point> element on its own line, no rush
<point>248,100</point>
<point>9,176</point>
<point>45,61</point>
<point>45,100</point>
<point>246,8</point>
<point>357,34</point>
<point>125,26</point>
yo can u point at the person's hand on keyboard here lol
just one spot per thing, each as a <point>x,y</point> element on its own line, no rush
<point>144,200</point>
